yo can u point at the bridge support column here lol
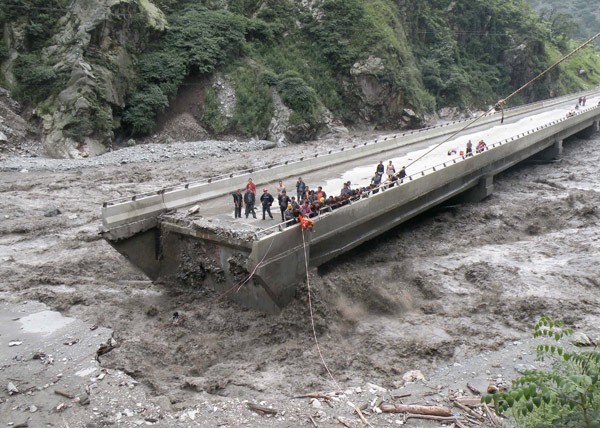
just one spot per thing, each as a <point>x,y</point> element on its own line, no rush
<point>596,126</point>
<point>552,152</point>
<point>482,190</point>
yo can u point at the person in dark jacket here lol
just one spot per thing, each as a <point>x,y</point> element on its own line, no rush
<point>300,188</point>
<point>380,168</point>
<point>284,201</point>
<point>267,201</point>
<point>250,200</point>
<point>238,201</point>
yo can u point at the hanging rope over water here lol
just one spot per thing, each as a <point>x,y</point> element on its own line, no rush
<point>500,104</point>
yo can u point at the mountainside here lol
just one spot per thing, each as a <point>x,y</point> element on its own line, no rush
<point>97,73</point>
<point>584,21</point>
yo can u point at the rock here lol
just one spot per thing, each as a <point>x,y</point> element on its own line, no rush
<point>16,343</point>
<point>413,376</point>
<point>3,138</point>
<point>52,212</point>
<point>193,210</point>
<point>33,409</point>
<point>581,339</point>
<point>375,389</point>
<point>315,403</point>
<point>12,389</point>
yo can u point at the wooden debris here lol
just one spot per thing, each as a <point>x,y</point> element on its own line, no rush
<point>261,409</point>
<point>492,416</point>
<point>473,389</point>
<point>343,422</point>
<point>430,417</point>
<point>469,401</point>
<point>360,415</point>
<point>64,394</point>
<point>313,421</point>
<point>401,396</point>
<point>468,410</point>
<point>415,409</point>
<point>314,395</point>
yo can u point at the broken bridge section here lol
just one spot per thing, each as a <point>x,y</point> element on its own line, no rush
<point>261,268</point>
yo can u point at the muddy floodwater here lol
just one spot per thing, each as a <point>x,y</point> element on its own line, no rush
<point>450,285</point>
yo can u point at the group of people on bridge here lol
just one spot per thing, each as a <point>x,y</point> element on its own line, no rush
<point>309,203</point>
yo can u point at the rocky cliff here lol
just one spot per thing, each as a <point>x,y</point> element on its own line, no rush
<point>96,73</point>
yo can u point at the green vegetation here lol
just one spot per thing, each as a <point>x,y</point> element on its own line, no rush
<point>419,54</point>
<point>254,102</point>
<point>568,395</point>
<point>579,18</point>
<point>36,80</point>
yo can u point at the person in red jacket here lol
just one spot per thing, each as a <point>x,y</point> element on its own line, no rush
<point>251,187</point>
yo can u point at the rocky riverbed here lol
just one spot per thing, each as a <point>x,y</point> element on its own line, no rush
<point>453,294</point>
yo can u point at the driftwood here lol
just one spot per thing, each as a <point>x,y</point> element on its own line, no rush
<point>261,409</point>
<point>431,417</point>
<point>492,416</point>
<point>314,395</point>
<point>64,394</point>
<point>313,421</point>
<point>360,414</point>
<point>417,410</point>
<point>473,389</point>
<point>402,395</point>
<point>343,422</point>
<point>468,410</point>
<point>469,401</point>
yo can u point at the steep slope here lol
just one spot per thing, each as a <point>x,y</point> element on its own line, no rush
<point>584,21</point>
<point>287,70</point>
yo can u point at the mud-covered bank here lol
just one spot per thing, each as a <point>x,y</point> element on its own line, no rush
<point>447,286</point>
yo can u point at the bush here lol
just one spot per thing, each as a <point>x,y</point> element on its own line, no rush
<point>298,96</point>
<point>143,108</point>
<point>254,102</point>
<point>205,38</point>
<point>165,69</point>
<point>567,396</point>
<point>78,129</point>
<point>36,80</point>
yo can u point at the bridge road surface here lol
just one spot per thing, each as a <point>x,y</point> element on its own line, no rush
<point>359,172</point>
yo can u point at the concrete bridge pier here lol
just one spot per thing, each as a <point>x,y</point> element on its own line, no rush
<point>596,125</point>
<point>551,153</point>
<point>483,189</point>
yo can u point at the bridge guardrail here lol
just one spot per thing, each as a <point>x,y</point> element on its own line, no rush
<point>209,180</point>
<point>280,226</point>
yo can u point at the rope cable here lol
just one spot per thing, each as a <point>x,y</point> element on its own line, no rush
<point>502,102</point>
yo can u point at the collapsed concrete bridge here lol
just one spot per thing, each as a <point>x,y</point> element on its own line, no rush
<point>158,233</point>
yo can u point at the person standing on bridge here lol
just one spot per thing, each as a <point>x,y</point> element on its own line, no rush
<point>250,200</point>
<point>267,201</point>
<point>251,187</point>
<point>390,170</point>
<point>583,100</point>
<point>469,150</point>
<point>380,168</point>
<point>284,201</point>
<point>300,189</point>
<point>238,201</point>
<point>280,188</point>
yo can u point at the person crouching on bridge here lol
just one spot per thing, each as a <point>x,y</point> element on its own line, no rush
<point>238,201</point>
<point>267,201</point>
<point>284,201</point>
<point>289,216</point>
<point>481,146</point>
<point>250,200</point>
